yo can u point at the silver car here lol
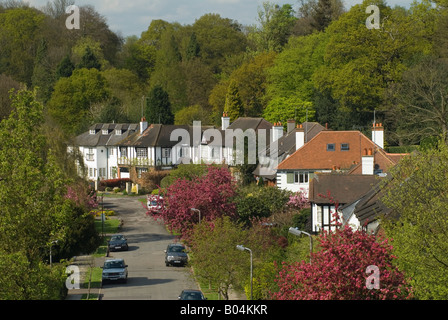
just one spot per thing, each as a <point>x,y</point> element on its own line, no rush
<point>115,270</point>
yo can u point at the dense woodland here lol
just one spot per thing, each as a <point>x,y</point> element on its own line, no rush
<point>318,62</point>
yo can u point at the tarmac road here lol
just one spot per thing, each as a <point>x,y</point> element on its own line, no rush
<point>149,278</point>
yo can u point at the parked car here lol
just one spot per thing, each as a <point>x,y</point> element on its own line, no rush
<point>191,295</point>
<point>154,203</point>
<point>175,254</point>
<point>118,242</point>
<point>115,270</point>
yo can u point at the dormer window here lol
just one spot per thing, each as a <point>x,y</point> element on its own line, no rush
<point>105,131</point>
<point>118,132</point>
<point>92,131</point>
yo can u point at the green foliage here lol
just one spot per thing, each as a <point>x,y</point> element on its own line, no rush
<point>73,98</point>
<point>184,171</point>
<point>30,188</point>
<point>416,193</point>
<point>158,108</point>
<point>260,201</point>
<point>22,280</point>
<point>234,105</point>
<point>189,114</point>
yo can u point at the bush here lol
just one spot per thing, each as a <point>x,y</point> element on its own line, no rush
<point>114,183</point>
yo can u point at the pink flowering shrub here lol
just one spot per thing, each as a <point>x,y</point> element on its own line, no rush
<point>211,193</point>
<point>82,196</point>
<point>338,270</point>
<point>298,200</point>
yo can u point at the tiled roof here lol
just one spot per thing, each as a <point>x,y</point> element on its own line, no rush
<point>314,154</point>
<point>344,188</point>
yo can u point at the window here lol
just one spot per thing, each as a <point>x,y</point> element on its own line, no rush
<point>105,131</point>
<point>142,153</point>
<point>92,131</point>
<point>90,156</point>
<point>331,147</point>
<point>123,152</point>
<point>301,177</point>
<point>166,152</point>
<point>118,132</point>
<point>345,147</point>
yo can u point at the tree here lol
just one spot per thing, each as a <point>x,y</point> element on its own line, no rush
<point>231,267</point>
<point>360,63</point>
<point>89,60</point>
<point>212,194</point>
<point>316,15</point>
<point>275,28</point>
<point>339,270</point>
<point>416,194</point>
<point>193,48</point>
<point>30,216</point>
<point>234,106</point>
<point>189,114</point>
<point>65,68</point>
<point>74,96</point>
<point>419,101</point>
<point>158,107</point>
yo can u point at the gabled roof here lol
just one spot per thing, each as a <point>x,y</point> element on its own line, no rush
<point>87,139</point>
<point>343,188</point>
<point>160,135</point>
<point>245,123</point>
<point>314,155</point>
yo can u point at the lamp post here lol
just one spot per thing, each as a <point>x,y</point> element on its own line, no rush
<point>51,257</point>
<point>298,232</point>
<point>198,211</point>
<point>241,248</point>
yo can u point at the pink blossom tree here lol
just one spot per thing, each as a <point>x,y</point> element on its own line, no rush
<point>212,194</point>
<point>339,270</point>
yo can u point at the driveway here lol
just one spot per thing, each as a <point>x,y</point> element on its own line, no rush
<point>149,278</point>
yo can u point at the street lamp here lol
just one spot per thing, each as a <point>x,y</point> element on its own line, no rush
<point>197,210</point>
<point>241,248</point>
<point>51,257</point>
<point>297,232</point>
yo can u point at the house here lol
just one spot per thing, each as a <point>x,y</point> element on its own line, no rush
<point>365,213</point>
<point>349,152</point>
<point>113,150</point>
<point>329,192</point>
<point>99,150</point>
<point>284,146</point>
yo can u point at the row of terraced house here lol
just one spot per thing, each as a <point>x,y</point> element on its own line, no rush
<point>326,165</point>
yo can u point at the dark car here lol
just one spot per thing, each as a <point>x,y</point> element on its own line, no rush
<point>115,270</point>
<point>175,254</point>
<point>118,242</point>
<point>191,295</point>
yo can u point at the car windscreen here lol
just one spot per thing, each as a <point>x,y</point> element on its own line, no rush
<point>116,238</point>
<point>113,264</point>
<point>176,249</point>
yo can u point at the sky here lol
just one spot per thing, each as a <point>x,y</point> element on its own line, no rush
<point>132,17</point>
